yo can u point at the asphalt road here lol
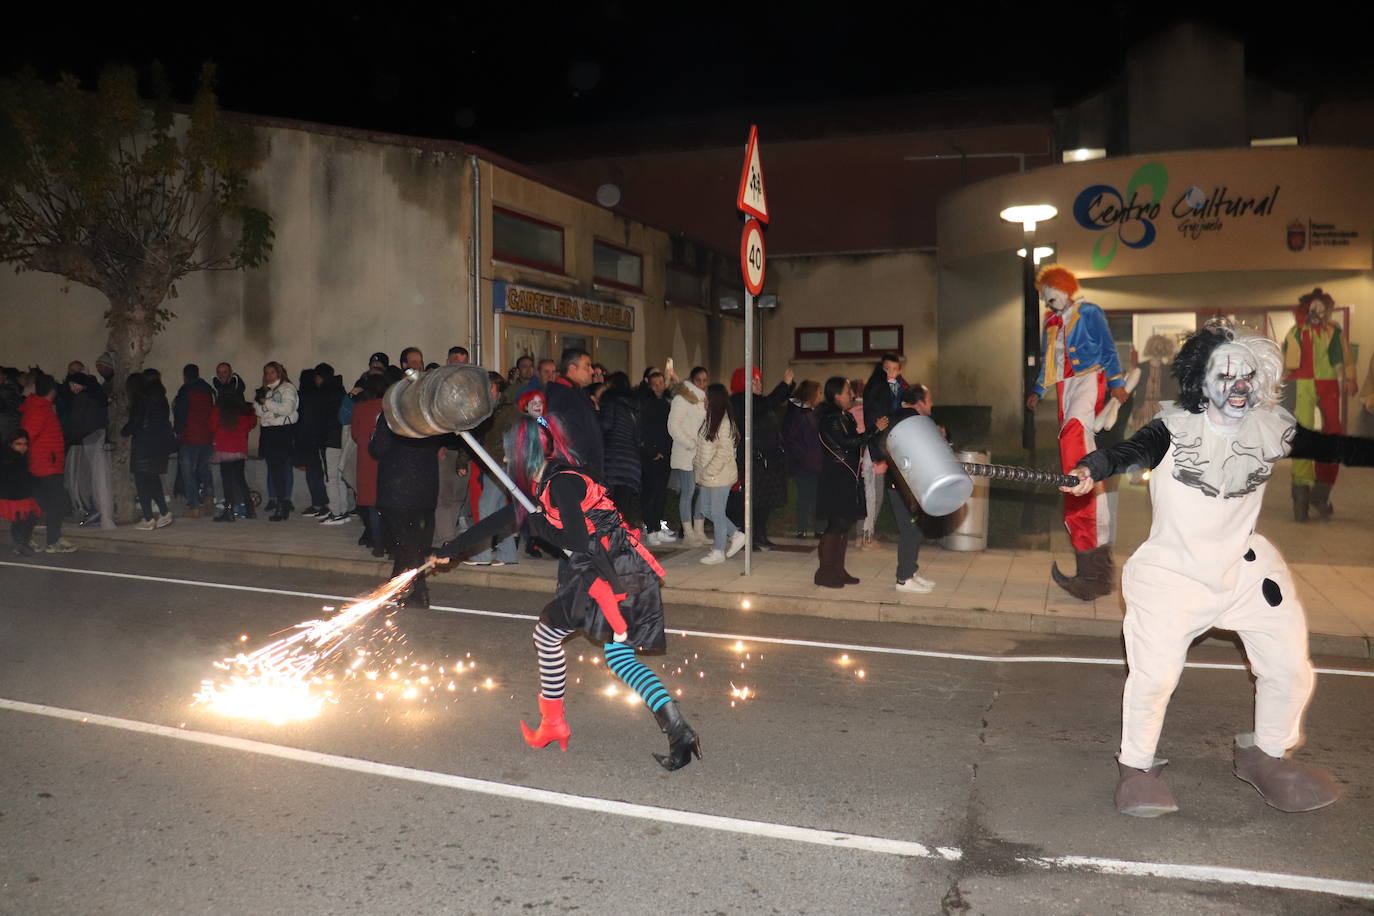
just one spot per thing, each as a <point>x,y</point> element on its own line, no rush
<point>923,785</point>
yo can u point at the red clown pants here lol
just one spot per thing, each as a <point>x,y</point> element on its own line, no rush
<point>1314,393</point>
<point>1086,517</point>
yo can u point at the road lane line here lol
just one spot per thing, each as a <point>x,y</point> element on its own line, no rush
<point>706,634</point>
<point>716,822</point>
<point>1215,874</point>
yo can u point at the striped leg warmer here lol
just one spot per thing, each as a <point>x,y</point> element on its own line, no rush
<point>553,661</point>
<point>621,659</point>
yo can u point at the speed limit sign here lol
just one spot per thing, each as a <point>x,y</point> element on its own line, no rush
<point>751,256</point>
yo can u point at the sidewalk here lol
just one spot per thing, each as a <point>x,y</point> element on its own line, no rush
<point>990,589</point>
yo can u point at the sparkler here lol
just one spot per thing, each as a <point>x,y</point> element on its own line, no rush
<point>277,682</point>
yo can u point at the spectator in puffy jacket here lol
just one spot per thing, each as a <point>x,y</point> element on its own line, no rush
<point>226,378</point>
<point>620,428</point>
<point>47,456</point>
<point>150,426</point>
<point>191,411</point>
<point>715,472</point>
<point>686,413</point>
<point>278,410</point>
<point>802,441</point>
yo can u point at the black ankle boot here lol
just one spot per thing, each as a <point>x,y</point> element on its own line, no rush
<point>683,743</point>
<point>418,596</point>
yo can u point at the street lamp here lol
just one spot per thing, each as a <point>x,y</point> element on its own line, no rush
<point>1027,216</point>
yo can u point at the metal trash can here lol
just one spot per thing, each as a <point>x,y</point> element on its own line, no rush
<point>967,526</point>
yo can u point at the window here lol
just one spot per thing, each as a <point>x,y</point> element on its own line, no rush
<point>848,341</point>
<point>683,287</point>
<point>616,266</point>
<point>525,240</point>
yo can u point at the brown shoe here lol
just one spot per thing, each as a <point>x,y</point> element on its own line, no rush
<point>1095,574</point>
<point>1142,793</point>
<point>193,513</point>
<point>1284,784</point>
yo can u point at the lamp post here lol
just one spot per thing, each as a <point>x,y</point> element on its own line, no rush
<point>1028,216</point>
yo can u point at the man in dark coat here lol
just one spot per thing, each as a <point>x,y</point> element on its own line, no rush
<point>882,397</point>
<point>191,420</point>
<point>655,450</point>
<point>566,398</point>
<point>407,492</point>
<point>770,471</point>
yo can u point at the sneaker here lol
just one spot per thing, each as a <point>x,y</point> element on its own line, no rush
<point>61,545</point>
<point>922,580</point>
<point>477,563</point>
<point>734,545</point>
<point>334,520</point>
<point>497,563</point>
<point>148,524</point>
<point>654,539</point>
<point>164,520</point>
<point>23,549</point>
<point>914,586</point>
<point>713,557</point>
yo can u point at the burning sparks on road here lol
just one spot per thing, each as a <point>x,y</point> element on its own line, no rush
<point>282,681</point>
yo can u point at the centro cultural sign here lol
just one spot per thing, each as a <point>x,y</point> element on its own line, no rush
<point>540,303</point>
<point>1259,209</point>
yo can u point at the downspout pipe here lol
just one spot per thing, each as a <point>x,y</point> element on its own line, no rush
<point>475,262</point>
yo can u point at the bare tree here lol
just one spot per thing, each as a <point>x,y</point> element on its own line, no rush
<point>127,196</point>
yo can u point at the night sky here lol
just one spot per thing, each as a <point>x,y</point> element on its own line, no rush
<point>482,72</point>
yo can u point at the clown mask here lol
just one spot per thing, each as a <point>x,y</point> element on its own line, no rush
<point>1230,384</point>
<point>1055,299</point>
<point>1316,313</point>
<point>535,407</point>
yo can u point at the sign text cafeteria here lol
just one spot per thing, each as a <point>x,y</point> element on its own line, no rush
<point>543,304</point>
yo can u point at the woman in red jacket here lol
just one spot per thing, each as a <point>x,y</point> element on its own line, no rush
<point>364,422</point>
<point>230,421</point>
<point>47,453</point>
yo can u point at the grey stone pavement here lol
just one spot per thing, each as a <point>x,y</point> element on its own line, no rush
<point>1333,563</point>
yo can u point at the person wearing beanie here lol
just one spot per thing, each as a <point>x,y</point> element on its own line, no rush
<point>1078,357</point>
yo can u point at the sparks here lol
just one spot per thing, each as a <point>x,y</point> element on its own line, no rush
<point>274,682</point>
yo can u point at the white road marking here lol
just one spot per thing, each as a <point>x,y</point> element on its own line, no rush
<point>904,848</point>
<point>706,634</point>
<point>504,790</point>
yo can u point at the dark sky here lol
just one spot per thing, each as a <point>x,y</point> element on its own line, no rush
<point>478,71</point>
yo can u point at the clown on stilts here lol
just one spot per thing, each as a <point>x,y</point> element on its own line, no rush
<point>1204,566</point>
<point>608,583</point>
<point>1318,364</point>
<point>1079,358</point>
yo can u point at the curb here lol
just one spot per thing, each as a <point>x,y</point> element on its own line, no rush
<point>851,609</point>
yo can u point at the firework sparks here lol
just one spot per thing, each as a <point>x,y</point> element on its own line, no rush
<point>278,681</point>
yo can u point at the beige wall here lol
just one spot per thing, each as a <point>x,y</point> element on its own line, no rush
<point>834,290</point>
<point>369,255</point>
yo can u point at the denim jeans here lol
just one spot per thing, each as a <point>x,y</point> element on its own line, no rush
<point>195,473</point>
<point>492,500</point>
<point>712,505</point>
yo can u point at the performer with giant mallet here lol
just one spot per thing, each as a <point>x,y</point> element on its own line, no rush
<point>608,582</point>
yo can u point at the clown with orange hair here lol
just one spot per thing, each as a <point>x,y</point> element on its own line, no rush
<point>1079,358</point>
<point>1317,360</point>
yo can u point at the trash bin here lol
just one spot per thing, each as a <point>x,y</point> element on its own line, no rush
<point>967,526</point>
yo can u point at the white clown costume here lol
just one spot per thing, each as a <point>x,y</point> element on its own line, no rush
<point>1204,566</point>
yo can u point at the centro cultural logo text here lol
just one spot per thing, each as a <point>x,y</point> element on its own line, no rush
<point>1122,219</point>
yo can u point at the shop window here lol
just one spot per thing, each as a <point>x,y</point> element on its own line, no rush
<point>847,341</point>
<point>683,287</point>
<point>617,266</point>
<point>523,239</point>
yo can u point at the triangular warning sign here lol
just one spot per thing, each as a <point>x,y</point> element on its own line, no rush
<point>751,198</point>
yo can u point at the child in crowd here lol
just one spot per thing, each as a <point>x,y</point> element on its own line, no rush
<point>230,421</point>
<point>17,504</point>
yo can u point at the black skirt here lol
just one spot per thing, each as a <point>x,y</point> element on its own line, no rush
<point>573,608</point>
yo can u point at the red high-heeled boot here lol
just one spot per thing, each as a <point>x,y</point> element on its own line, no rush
<point>552,725</point>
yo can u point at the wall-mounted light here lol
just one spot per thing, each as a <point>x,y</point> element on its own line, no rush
<point>1084,154</point>
<point>1027,215</point>
<point>1041,253</point>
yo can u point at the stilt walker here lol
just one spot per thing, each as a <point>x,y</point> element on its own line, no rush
<point>1318,363</point>
<point>1203,565</point>
<point>1079,358</point>
<point>608,584</point>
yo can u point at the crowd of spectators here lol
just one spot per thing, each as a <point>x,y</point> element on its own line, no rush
<point>664,435</point>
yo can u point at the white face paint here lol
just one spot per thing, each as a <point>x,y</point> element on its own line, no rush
<point>1316,314</point>
<point>1055,299</point>
<point>1230,385</point>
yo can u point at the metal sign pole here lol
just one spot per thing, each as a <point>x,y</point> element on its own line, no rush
<point>748,432</point>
